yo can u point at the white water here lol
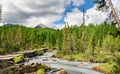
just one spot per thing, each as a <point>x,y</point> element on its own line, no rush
<point>70,66</point>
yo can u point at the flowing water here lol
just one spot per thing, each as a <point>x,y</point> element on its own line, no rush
<point>71,67</point>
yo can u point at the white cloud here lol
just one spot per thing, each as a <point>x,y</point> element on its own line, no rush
<point>47,20</point>
<point>97,17</point>
<point>94,16</point>
<point>78,2</point>
<point>32,12</point>
<point>67,2</point>
<point>75,2</point>
<point>116,4</point>
<point>0,2</point>
<point>91,15</point>
<point>74,17</point>
<point>57,26</point>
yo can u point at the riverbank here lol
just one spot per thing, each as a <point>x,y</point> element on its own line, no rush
<point>24,69</point>
<point>10,67</point>
<point>71,67</point>
<point>27,53</point>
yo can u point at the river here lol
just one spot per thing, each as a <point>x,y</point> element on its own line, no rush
<point>71,67</point>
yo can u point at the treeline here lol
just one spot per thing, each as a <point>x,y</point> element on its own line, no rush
<point>90,41</point>
<point>95,43</point>
<point>71,40</point>
<point>20,38</point>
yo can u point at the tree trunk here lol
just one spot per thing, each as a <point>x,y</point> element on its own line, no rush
<point>0,12</point>
<point>83,16</point>
<point>114,13</point>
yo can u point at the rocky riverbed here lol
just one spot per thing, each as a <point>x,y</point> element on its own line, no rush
<point>50,64</point>
<point>71,67</point>
<point>23,69</point>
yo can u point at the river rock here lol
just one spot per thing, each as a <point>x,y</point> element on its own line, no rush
<point>61,71</point>
<point>45,60</point>
<point>6,64</point>
<point>1,66</point>
<point>54,59</point>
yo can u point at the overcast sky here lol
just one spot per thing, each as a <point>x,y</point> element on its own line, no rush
<point>52,12</point>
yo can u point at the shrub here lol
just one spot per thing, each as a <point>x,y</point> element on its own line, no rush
<point>2,51</point>
<point>116,67</point>
<point>38,52</point>
<point>19,58</point>
<point>40,71</point>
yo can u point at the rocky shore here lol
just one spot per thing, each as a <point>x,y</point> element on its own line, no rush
<point>11,68</point>
<point>23,69</point>
<point>8,66</point>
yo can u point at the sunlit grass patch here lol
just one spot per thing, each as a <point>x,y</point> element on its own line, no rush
<point>105,68</point>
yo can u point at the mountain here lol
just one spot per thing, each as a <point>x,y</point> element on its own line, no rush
<point>40,26</point>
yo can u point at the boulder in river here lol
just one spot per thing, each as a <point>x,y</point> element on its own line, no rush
<point>61,71</point>
<point>45,60</point>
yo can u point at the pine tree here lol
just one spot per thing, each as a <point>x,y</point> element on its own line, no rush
<point>83,40</point>
<point>32,39</point>
<point>74,42</point>
<point>108,44</point>
<point>66,42</point>
<point>3,37</point>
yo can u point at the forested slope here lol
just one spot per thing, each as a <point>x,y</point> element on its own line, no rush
<point>95,43</point>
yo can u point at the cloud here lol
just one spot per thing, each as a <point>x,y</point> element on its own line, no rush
<point>116,4</point>
<point>78,2</point>
<point>32,12</point>
<point>47,20</point>
<point>91,15</point>
<point>75,2</point>
<point>94,16</point>
<point>97,17</point>
<point>57,26</point>
<point>74,17</point>
<point>0,2</point>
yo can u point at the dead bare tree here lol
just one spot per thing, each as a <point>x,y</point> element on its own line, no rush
<point>83,16</point>
<point>0,12</point>
<point>113,13</point>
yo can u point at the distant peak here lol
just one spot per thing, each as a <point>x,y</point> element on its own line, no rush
<point>40,26</point>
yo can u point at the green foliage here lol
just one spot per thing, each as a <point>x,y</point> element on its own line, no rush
<point>105,68</point>
<point>38,52</point>
<point>15,38</point>
<point>96,43</point>
<point>40,71</point>
<point>2,51</point>
<point>19,58</point>
<point>116,66</point>
<point>108,43</point>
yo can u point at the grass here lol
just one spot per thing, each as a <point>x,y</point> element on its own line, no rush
<point>97,58</point>
<point>106,68</point>
<point>111,62</point>
<point>76,57</point>
<point>79,57</point>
